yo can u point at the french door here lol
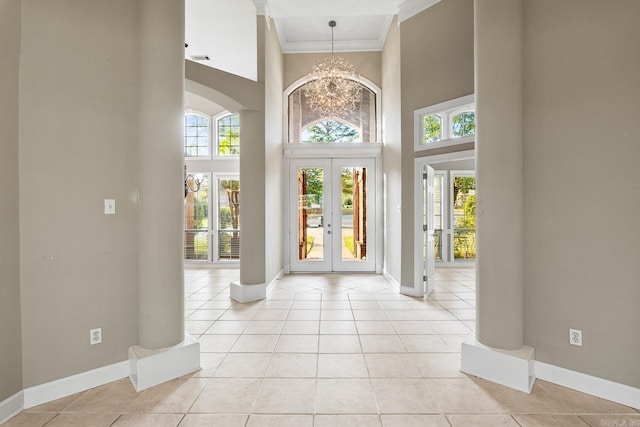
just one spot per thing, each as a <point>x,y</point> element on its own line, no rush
<point>332,215</point>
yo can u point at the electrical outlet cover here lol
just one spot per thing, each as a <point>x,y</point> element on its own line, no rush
<point>95,336</point>
<point>575,337</point>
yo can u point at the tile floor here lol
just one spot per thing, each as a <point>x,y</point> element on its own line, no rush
<point>329,350</point>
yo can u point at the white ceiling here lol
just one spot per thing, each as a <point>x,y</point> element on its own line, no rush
<point>225,31</point>
<point>362,25</point>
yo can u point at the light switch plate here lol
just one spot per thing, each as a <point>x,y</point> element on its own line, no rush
<point>109,206</point>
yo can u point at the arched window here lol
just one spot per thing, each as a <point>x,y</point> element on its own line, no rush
<point>305,125</point>
<point>432,128</point>
<point>229,135</point>
<point>463,124</point>
<point>196,135</point>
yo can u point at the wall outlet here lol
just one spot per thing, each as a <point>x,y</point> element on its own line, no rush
<point>575,337</point>
<point>95,336</point>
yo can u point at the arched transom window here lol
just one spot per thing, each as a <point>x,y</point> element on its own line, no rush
<point>307,126</point>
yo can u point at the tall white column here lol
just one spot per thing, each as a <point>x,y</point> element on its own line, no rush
<point>161,188</point>
<point>500,204</point>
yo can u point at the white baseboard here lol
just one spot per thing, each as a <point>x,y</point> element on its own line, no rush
<point>11,406</point>
<point>391,279</point>
<point>148,368</point>
<point>274,282</point>
<point>44,393</point>
<point>513,369</point>
<point>605,389</point>
<point>519,370</point>
<point>247,293</point>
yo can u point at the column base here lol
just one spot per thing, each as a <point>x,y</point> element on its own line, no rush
<point>248,293</point>
<point>148,368</point>
<point>514,369</point>
<point>411,292</point>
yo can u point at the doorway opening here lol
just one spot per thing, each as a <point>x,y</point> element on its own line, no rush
<point>445,194</point>
<point>332,215</point>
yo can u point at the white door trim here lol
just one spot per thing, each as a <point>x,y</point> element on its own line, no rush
<point>375,184</point>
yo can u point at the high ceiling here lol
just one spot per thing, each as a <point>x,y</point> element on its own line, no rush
<point>222,33</point>
<point>362,25</point>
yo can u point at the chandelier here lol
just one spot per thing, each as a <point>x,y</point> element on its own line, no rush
<point>333,89</point>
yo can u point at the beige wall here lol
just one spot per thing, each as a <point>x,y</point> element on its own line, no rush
<point>437,65</point>
<point>10,332</point>
<point>246,97</point>
<point>201,104</point>
<point>582,184</point>
<point>299,65</point>
<point>391,160</point>
<point>273,179</point>
<point>78,146</point>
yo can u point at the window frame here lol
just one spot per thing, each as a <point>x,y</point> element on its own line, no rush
<point>454,114</point>
<point>214,135</point>
<point>196,113</point>
<point>217,118</point>
<point>446,111</point>
<point>442,119</point>
<point>214,230</point>
<point>453,174</point>
<point>377,91</point>
<point>209,177</point>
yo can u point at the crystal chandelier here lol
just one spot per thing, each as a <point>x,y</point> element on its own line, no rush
<point>333,89</point>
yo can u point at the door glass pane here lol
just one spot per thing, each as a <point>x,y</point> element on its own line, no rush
<point>196,221</point>
<point>310,214</point>
<point>228,219</point>
<point>464,217</point>
<point>437,217</point>
<point>353,207</point>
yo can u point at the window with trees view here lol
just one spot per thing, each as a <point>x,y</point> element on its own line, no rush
<point>464,124</point>
<point>464,217</point>
<point>196,221</point>
<point>432,128</point>
<point>229,135</point>
<point>448,123</point>
<point>331,131</point>
<point>196,135</point>
<point>228,219</point>
<point>199,137</point>
<point>308,126</point>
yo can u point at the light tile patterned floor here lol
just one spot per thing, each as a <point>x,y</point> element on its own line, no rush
<point>329,350</point>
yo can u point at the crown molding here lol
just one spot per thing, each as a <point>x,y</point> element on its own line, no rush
<point>262,7</point>
<point>410,8</point>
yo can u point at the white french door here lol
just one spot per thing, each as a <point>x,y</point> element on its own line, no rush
<point>332,215</point>
<point>424,242</point>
